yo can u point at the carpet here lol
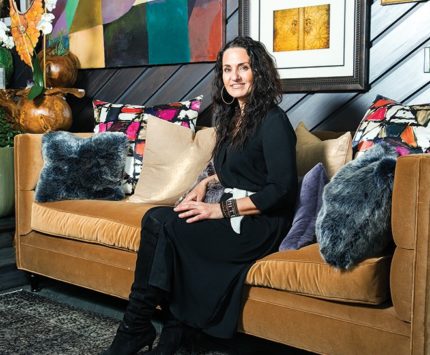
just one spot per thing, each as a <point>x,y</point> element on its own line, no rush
<point>34,324</point>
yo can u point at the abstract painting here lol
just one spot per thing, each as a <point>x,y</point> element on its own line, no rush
<point>139,32</point>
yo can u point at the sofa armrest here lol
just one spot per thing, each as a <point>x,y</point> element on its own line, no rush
<point>410,269</point>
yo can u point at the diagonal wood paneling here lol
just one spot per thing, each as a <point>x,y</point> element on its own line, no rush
<point>398,35</point>
<point>391,44</point>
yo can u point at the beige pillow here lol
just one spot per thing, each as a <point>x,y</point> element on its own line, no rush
<point>174,157</point>
<point>310,150</point>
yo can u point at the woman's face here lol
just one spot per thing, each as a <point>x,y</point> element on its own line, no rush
<point>237,73</point>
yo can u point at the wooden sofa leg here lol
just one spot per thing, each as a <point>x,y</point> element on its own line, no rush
<point>34,282</point>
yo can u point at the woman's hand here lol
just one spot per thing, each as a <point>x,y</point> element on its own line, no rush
<point>195,211</point>
<point>198,193</point>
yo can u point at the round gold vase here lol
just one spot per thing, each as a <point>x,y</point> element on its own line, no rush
<point>61,70</point>
<point>47,112</point>
<point>44,114</point>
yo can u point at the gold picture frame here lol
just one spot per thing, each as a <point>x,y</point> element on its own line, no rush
<point>392,2</point>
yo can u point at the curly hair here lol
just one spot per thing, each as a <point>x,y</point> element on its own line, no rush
<point>266,91</point>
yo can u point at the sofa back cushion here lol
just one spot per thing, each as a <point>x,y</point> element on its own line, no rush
<point>332,151</point>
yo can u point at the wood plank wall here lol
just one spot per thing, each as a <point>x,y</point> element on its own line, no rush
<point>399,34</point>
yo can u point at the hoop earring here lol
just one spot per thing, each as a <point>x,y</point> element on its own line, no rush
<point>222,97</point>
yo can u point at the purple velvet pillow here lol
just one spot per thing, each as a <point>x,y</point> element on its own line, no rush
<point>308,204</point>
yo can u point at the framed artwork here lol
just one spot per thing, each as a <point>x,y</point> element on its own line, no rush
<point>127,33</point>
<point>318,45</point>
<point>389,2</point>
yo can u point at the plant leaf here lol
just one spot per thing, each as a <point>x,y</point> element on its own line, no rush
<point>38,86</point>
<point>35,91</point>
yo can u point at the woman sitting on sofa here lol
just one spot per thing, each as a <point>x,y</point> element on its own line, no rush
<point>193,259</point>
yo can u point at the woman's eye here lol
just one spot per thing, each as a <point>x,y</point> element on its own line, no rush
<point>244,68</point>
<point>226,70</point>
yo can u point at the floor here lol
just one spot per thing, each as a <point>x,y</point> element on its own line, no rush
<point>13,279</point>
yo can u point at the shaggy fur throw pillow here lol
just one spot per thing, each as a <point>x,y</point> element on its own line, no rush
<point>82,168</point>
<point>214,190</point>
<point>354,221</point>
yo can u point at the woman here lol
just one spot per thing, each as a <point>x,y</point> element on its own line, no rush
<point>193,259</point>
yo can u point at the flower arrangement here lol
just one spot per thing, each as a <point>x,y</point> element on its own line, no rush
<point>26,28</point>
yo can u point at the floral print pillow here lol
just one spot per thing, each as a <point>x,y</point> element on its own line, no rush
<point>404,127</point>
<point>132,120</point>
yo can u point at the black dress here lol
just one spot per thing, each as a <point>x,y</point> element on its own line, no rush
<point>204,264</point>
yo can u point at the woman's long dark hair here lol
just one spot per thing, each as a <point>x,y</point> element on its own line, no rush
<point>265,92</point>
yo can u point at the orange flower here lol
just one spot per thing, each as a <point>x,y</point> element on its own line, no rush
<point>23,29</point>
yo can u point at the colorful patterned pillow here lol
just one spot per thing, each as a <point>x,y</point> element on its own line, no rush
<point>132,120</point>
<point>402,126</point>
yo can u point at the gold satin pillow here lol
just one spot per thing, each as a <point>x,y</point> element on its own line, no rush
<point>174,157</point>
<point>310,150</point>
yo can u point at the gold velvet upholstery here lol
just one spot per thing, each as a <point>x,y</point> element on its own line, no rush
<point>113,223</point>
<point>304,271</point>
<point>323,327</point>
<point>410,271</point>
<point>316,324</point>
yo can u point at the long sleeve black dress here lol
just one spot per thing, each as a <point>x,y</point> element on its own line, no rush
<point>204,264</point>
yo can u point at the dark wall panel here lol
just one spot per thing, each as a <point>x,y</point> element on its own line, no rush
<point>398,34</point>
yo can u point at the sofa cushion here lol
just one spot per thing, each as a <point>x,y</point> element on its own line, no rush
<point>132,120</point>
<point>174,157</point>
<point>304,272</point>
<point>354,221</point>
<point>113,223</point>
<point>310,150</point>
<point>308,204</point>
<point>81,168</point>
<point>405,127</point>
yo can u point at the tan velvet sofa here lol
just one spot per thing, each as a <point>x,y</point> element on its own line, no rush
<point>292,297</point>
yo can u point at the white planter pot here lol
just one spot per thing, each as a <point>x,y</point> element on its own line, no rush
<point>7,191</point>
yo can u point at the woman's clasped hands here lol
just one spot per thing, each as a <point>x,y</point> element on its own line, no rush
<point>194,209</point>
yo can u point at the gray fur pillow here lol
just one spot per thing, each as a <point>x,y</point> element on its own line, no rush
<point>214,190</point>
<point>354,221</point>
<point>82,168</point>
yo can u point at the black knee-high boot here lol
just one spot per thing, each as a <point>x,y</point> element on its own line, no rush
<point>136,330</point>
<point>171,337</point>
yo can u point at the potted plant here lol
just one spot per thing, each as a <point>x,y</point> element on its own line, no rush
<point>7,191</point>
